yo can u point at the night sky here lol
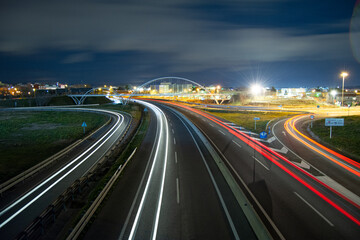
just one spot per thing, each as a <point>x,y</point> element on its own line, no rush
<point>281,43</point>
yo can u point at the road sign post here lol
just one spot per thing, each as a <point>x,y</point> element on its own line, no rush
<point>312,118</point>
<point>256,118</point>
<point>330,122</point>
<point>84,126</point>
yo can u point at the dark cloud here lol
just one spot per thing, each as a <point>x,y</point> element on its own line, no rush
<point>182,36</point>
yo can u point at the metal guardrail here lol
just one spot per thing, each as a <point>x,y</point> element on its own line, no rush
<point>38,167</point>
<point>94,206</point>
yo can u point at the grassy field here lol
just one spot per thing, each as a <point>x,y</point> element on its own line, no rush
<point>346,138</point>
<point>27,138</point>
<point>133,109</point>
<point>246,118</point>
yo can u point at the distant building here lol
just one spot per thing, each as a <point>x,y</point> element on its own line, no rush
<point>181,88</point>
<point>291,92</point>
<point>352,98</point>
<point>164,87</point>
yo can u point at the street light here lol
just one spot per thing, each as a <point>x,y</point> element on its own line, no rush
<point>256,89</point>
<point>344,75</point>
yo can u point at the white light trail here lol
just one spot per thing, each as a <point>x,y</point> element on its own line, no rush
<point>160,116</point>
<point>117,126</point>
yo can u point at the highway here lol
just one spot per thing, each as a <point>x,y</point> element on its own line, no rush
<point>290,197</point>
<point>173,189</point>
<point>19,211</point>
<point>330,167</point>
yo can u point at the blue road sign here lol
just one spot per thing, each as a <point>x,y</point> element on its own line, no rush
<point>263,135</point>
<point>145,110</point>
<point>280,106</point>
<point>269,130</point>
<point>84,126</point>
<point>256,118</point>
<point>318,106</point>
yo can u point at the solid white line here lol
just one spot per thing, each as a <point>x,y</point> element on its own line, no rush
<point>221,132</point>
<point>177,191</point>
<point>174,141</point>
<point>237,144</point>
<point>315,210</point>
<point>57,173</point>
<point>162,182</point>
<point>211,124</point>
<point>214,183</point>
<point>141,205</point>
<point>172,131</point>
<point>261,163</point>
<point>175,157</point>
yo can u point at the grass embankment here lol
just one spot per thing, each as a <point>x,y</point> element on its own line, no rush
<point>132,108</point>
<point>246,118</point>
<point>48,101</point>
<point>27,138</point>
<point>346,138</point>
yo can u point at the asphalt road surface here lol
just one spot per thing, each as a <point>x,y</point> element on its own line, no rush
<point>17,214</point>
<point>172,189</point>
<point>291,198</point>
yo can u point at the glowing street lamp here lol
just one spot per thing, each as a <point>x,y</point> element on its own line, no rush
<point>333,93</point>
<point>218,87</point>
<point>344,75</point>
<point>256,89</point>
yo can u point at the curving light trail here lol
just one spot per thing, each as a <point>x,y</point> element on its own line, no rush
<point>90,151</point>
<point>348,164</point>
<point>274,157</point>
<point>162,122</point>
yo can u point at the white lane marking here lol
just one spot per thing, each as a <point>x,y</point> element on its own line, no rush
<point>174,141</point>
<point>57,173</point>
<point>172,131</point>
<point>282,150</point>
<point>222,132</point>
<point>303,164</point>
<point>177,191</point>
<point>211,124</point>
<point>315,210</point>
<point>323,151</point>
<point>229,123</point>
<point>237,144</point>
<point>261,163</point>
<point>248,132</point>
<point>338,187</point>
<point>240,128</point>
<point>324,179</point>
<point>214,183</point>
<point>175,157</point>
<point>141,205</point>
<point>270,140</point>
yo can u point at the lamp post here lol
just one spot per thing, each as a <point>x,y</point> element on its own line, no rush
<point>343,74</point>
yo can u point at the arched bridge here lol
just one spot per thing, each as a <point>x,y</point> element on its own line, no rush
<point>176,88</point>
